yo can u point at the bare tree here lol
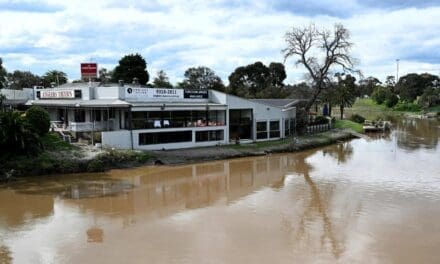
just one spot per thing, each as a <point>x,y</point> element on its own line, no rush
<point>319,51</point>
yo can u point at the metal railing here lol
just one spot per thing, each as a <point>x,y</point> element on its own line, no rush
<point>318,128</point>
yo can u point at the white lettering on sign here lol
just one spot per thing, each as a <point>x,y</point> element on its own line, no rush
<point>140,94</point>
<point>57,94</point>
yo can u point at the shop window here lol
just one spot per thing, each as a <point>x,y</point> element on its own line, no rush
<point>274,129</point>
<point>212,135</point>
<point>165,137</point>
<point>262,130</point>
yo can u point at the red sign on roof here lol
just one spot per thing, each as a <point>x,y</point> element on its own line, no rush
<point>89,70</point>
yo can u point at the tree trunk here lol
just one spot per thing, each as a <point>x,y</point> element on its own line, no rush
<point>342,112</point>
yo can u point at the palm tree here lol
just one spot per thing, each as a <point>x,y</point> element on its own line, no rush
<point>54,77</point>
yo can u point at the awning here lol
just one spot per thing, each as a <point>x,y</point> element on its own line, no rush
<point>80,103</point>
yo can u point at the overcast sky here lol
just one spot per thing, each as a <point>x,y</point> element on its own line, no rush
<point>174,35</point>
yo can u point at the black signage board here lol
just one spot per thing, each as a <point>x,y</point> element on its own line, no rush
<point>195,94</point>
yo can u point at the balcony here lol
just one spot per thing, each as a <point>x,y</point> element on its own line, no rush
<point>90,126</point>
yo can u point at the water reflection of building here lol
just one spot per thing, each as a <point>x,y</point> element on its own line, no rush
<point>165,190</point>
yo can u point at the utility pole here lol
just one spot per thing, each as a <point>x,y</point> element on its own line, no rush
<point>397,70</point>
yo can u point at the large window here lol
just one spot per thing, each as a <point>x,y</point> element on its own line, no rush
<point>170,119</point>
<point>289,127</point>
<point>211,135</point>
<point>262,130</point>
<point>274,129</point>
<point>240,123</point>
<point>165,137</point>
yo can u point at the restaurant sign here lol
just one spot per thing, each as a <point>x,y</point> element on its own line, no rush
<point>195,94</point>
<point>138,94</point>
<point>60,94</point>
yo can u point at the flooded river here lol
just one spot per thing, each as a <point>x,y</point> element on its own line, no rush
<point>370,200</point>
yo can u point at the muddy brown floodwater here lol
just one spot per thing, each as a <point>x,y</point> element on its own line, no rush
<point>373,200</point>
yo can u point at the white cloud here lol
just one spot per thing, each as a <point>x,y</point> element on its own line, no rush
<point>175,35</point>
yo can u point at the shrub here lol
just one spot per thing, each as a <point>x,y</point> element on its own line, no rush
<point>379,95</point>
<point>357,118</point>
<point>407,107</point>
<point>430,97</point>
<point>391,99</point>
<point>320,120</point>
<point>38,120</point>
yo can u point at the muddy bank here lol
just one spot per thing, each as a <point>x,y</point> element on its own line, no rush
<point>89,159</point>
<point>183,156</point>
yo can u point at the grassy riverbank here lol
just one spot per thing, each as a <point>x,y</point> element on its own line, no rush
<point>183,156</point>
<point>60,157</point>
<point>371,110</point>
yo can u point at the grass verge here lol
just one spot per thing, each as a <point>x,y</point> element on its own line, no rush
<point>344,124</point>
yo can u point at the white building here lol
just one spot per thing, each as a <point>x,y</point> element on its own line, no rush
<point>134,117</point>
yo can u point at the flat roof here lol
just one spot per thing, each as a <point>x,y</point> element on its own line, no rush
<point>79,103</point>
<point>282,103</point>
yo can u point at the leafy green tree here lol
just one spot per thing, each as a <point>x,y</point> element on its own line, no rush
<point>3,74</point>
<point>2,98</point>
<point>320,51</point>
<point>202,78</point>
<point>104,75</point>
<point>412,85</point>
<point>38,120</point>
<point>368,85</point>
<point>258,81</point>
<point>131,66</point>
<point>277,74</point>
<point>430,97</point>
<point>16,137</point>
<point>380,94</point>
<point>23,79</point>
<point>391,98</point>
<point>54,77</point>
<point>162,80</point>
<point>345,92</point>
<point>390,82</point>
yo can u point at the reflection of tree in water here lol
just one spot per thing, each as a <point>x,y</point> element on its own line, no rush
<point>319,202</point>
<point>342,152</point>
<point>414,134</point>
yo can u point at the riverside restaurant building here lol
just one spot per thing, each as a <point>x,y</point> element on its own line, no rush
<point>134,117</point>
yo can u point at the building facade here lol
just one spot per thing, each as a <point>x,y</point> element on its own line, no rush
<point>134,117</point>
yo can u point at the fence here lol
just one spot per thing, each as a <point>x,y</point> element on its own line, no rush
<point>318,128</point>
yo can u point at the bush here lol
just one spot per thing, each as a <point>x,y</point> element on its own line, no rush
<point>430,97</point>
<point>407,107</point>
<point>379,95</point>
<point>38,120</point>
<point>391,99</point>
<point>320,120</point>
<point>357,118</point>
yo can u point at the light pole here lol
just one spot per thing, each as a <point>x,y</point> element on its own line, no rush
<point>397,70</point>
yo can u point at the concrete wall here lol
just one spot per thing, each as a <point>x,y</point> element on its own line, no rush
<point>106,92</point>
<point>120,139</point>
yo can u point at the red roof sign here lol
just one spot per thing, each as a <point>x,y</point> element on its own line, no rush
<point>89,70</point>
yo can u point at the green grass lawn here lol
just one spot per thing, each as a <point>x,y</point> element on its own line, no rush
<point>349,124</point>
<point>435,109</point>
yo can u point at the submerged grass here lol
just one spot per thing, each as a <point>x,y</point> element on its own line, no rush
<point>60,157</point>
<point>347,124</point>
